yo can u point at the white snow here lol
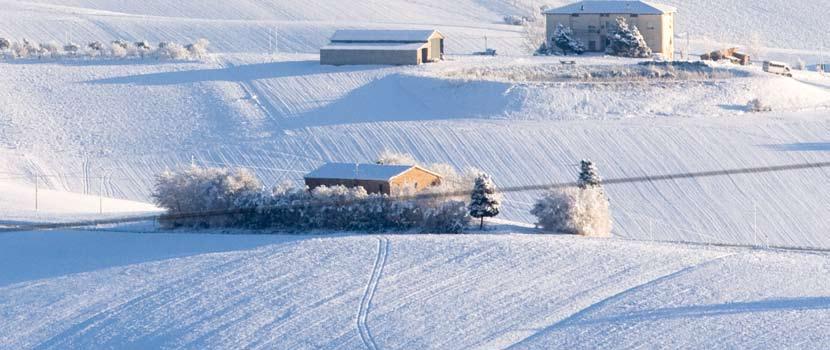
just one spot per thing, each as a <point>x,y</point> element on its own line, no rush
<point>390,35</point>
<point>85,128</point>
<point>615,7</point>
<point>448,292</point>
<point>373,46</point>
<point>357,171</point>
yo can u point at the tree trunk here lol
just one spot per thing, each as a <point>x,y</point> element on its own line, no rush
<point>481,227</point>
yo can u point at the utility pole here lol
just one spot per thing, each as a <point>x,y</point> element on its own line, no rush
<point>36,176</point>
<point>101,197</point>
<point>270,44</point>
<point>276,40</point>
<point>754,224</point>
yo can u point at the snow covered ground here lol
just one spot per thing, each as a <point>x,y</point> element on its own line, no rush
<point>399,291</point>
<point>282,117</point>
<point>89,128</point>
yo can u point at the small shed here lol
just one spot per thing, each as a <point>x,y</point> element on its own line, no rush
<point>385,47</point>
<point>374,178</point>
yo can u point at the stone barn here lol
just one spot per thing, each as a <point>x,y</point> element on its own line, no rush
<point>374,178</point>
<point>386,47</point>
<point>593,21</point>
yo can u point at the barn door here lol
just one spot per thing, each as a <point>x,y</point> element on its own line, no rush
<point>424,55</point>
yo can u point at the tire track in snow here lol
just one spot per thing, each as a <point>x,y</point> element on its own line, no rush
<point>371,287</point>
<point>616,296</point>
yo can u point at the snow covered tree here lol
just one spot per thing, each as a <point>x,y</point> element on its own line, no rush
<point>51,48</point>
<point>5,44</point>
<point>143,48</point>
<point>578,211</point>
<point>388,157</point>
<point>588,176</point>
<point>583,210</point>
<point>172,51</point>
<point>25,49</point>
<point>199,190</point>
<point>445,217</point>
<point>198,50</point>
<point>484,200</point>
<point>71,48</point>
<point>627,41</point>
<point>756,105</point>
<point>563,38</point>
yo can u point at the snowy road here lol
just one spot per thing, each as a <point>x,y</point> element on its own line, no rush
<point>401,291</point>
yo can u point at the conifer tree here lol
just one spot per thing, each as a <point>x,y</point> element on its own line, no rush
<point>588,175</point>
<point>564,39</point>
<point>627,41</point>
<point>485,200</point>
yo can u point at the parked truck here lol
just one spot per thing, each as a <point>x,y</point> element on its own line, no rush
<point>779,68</point>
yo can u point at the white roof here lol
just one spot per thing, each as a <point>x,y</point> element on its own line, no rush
<point>382,35</point>
<point>622,7</point>
<point>348,171</point>
<point>374,46</point>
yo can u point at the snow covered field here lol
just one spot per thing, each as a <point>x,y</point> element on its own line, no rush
<point>500,291</point>
<point>127,121</point>
<point>87,129</point>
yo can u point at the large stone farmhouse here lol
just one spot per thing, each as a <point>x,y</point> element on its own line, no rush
<point>374,178</point>
<point>593,21</point>
<point>388,47</point>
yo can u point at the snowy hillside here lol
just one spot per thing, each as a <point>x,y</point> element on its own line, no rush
<point>127,121</point>
<point>108,126</point>
<point>404,292</point>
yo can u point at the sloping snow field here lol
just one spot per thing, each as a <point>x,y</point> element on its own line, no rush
<point>83,129</point>
<point>126,122</point>
<point>404,292</point>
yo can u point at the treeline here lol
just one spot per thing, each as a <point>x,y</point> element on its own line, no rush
<point>225,198</point>
<point>115,49</point>
<point>234,198</point>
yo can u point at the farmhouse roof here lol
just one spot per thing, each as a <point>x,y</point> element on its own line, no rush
<point>352,171</point>
<point>374,46</point>
<point>621,7</point>
<point>382,36</point>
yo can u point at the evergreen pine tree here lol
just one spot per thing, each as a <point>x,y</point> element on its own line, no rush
<point>588,176</point>
<point>627,41</point>
<point>485,201</point>
<point>563,39</point>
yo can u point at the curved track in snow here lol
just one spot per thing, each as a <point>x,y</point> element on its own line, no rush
<point>371,287</point>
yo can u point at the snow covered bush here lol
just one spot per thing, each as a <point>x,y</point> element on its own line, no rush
<point>232,198</point>
<point>575,211</point>
<point>563,38</point>
<point>485,201</point>
<point>118,50</point>
<point>388,157</point>
<point>203,191</point>
<point>515,20</point>
<point>5,44</point>
<point>583,210</point>
<point>445,217</point>
<point>198,50</point>
<point>52,49</point>
<point>755,105</point>
<point>173,51</point>
<point>71,49</point>
<point>24,49</point>
<point>627,41</point>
